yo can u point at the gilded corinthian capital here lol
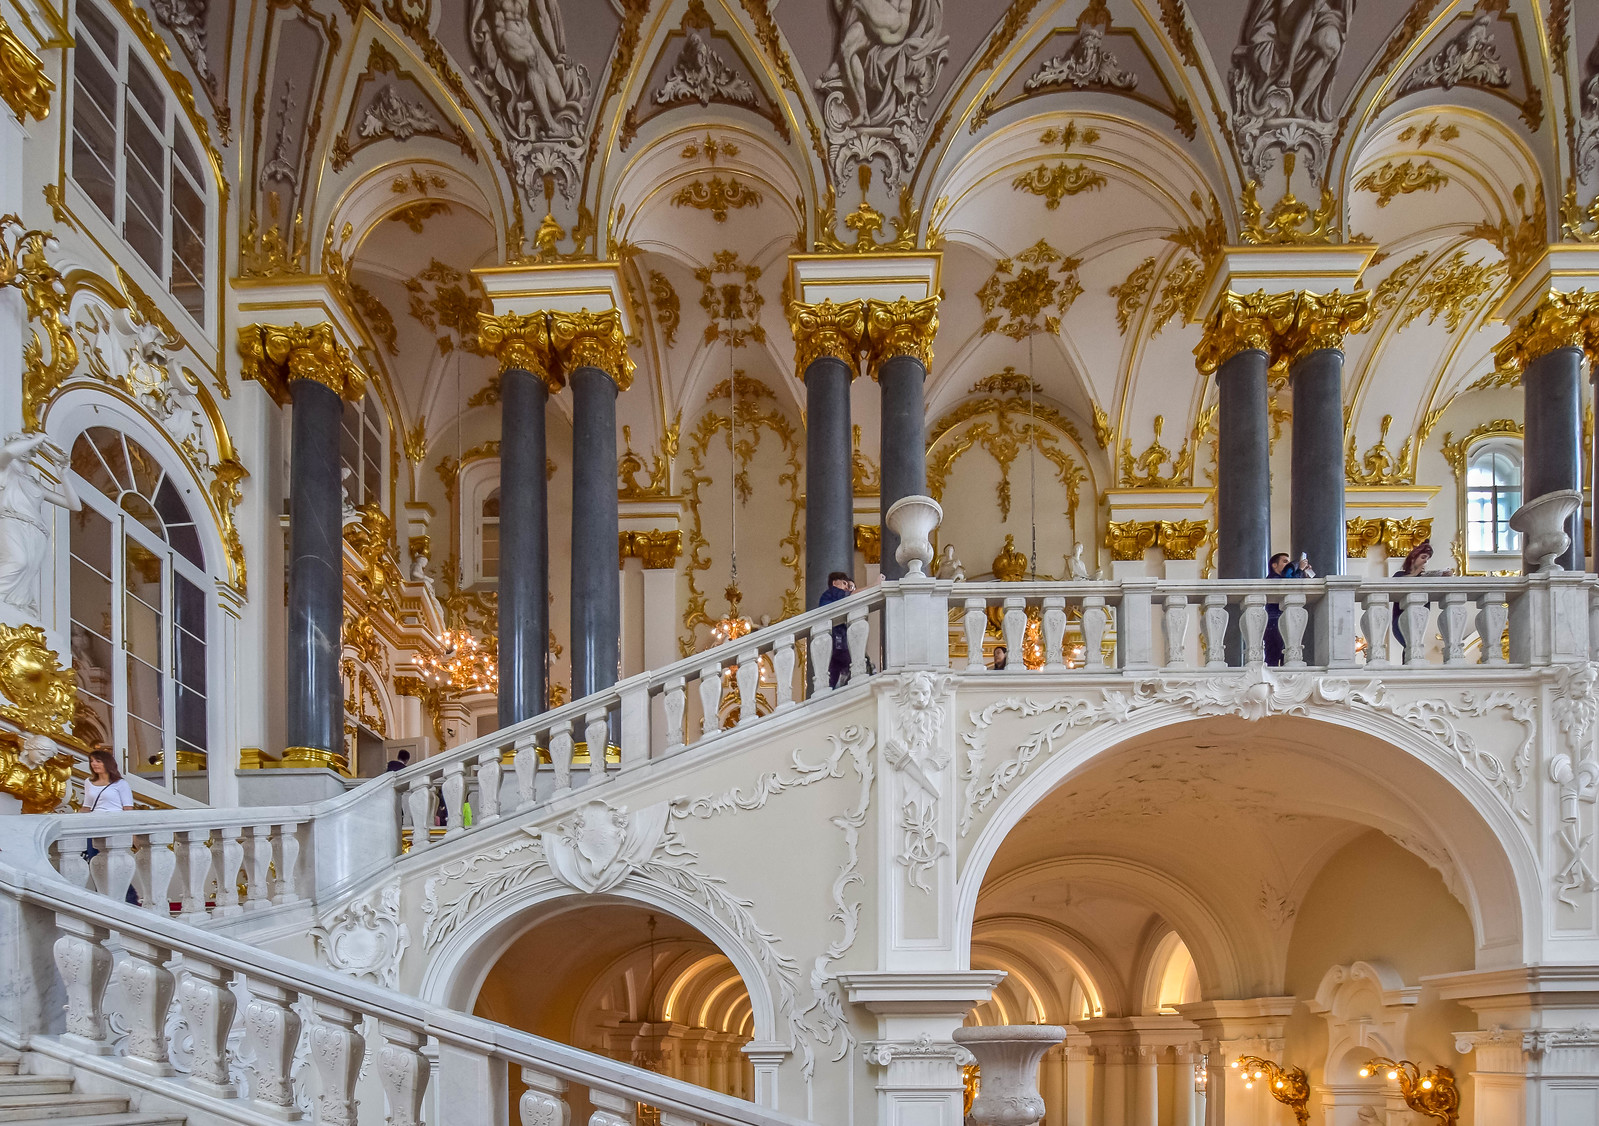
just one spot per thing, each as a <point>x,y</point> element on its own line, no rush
<point>900,328</point>
<point>591,340</point>
<point>1322,320</point>
<point>1561,320</point>
<point>826,330</point>
<point>521,341</point>
<point>1244,322</point>
<point>277,355</point>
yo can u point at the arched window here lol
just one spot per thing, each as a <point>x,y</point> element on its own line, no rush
<point>138,598</point>
<point>361,449</point>
<point>488,538</point>
<point>135,159</point>
<point>1493,492</point>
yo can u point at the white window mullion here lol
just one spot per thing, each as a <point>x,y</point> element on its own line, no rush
<point>119,159</point>
<point>169,696</point>
<point>119,642</point>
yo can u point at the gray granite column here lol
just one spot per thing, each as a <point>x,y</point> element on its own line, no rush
<point>524,548</point>
<point>1317,481</point>
<point>1552,390</point>
<point>314,711</point>
<point>904,444</point>
<point>596,578</point>
<point>1243,467</point>
<point>829,475</point>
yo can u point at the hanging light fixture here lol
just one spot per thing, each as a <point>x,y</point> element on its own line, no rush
<point>733,624</point>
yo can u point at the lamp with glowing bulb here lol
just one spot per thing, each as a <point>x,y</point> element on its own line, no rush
<point>1432,1093</point>
<point>462,664</point>
<point>1288,1085</point>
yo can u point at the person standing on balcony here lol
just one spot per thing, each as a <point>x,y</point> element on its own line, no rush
<point>1282,568</point>
<point>104,791</point>
<point>839,585</point>
<point>1001,656</point>
<point>1415,567</point>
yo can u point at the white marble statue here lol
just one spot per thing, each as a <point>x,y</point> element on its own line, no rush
<point>524,69</point>
<point>950,567</point>
<point>352,515</point>
<point>887,57</point>
<point>1282,79</point>
<point>1087,64</point>
<point>24,531</point>
<point>419,568</point>
<point>1469,57</point>
<point>1076,567</point>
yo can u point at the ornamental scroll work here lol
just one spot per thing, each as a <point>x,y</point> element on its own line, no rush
<point>38,699</point>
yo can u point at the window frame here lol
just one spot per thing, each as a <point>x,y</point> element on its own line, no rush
<point>1510,546</point>
<point>372,429</point>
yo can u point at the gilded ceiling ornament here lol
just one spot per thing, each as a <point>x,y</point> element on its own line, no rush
<point>733,307</point>
<point>1129,539</point>
<point>23,265</point>
<point>589,339</point>
<point>1399,179</point>
<point>668,311</point>
<point>717,196</point>
<point>520,341</point>
<point>1175,20</point>
<point>1242,322</point>
<point>1055,183</point>
<point>1361,535</point>
<point>1321,321</point>
<point>1577,224</point>
<point>1378,466</point>
<point>1289,222</point>
<point>265,252</point>
<point>277,355</point>
<point>827,329</point>
<point>1203,240</point>
<point>1009,26</point>
<point>1144,471</point>
<point>657,550</point>
<point>1179,294</point>
<point>1392,289</point>
<point>900,328</point>
<point>1102,431</point>
<point>1007,381</point>
<point>416,442</point>
<point>1469,57</point>
<point>1027,291</point>
<point>1522,239</point>
<point>414,215</point>
<point>379,321</point>
<point>23,82</point>
<point>711,148</point>
<point>1453,289</point>
<point>886,61</point>
<point>1087,63</point>
<point>1425,133</point>
<point>1561,320</point>
<point>36,693</point>
<point>1005,428</point>
<point>630,465</point>
<point>866,221</point>
<point>449,303</point>
<point>1181,539</point>
<point>1131,291</point>
<point>1281,82</point>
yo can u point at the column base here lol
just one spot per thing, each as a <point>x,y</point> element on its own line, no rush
<point>314,757</point>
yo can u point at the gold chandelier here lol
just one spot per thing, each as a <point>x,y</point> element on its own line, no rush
<point>462,664</point>
<point>731,625</point>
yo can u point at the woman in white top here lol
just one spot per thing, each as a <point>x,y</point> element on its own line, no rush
<point>105,790</point>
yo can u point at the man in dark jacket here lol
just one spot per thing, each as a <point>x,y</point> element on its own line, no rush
<point>839,585</point>
<point>1281,567</point>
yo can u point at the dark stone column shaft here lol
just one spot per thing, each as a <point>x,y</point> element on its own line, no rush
<point>1243,467</point>
<point>1317,481</point>
<point>315,708</point>
<point>829,475</point>
<point>904,444</point>
<point>1552,389</point>
<point>524,548</point>
<point>596,579</point>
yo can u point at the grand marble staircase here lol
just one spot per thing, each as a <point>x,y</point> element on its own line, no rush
<point>27,1098</point>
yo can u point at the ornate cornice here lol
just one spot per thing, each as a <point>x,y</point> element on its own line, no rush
<point>1322,320</point>
<point>1244,322</point>
<point>827,329</point>
<point>275,356</point>
<point>1561,320</point>
<point>900,328</point>
<point>23,82</point>
<point>521,341</point>
<point>591,340</point>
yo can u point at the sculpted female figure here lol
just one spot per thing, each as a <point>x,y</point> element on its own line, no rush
<point>24,533</point>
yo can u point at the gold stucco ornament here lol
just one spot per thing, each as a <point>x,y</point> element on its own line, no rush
<point>39,695</point>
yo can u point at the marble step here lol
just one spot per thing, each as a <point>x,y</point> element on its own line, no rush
<point>54,1108</point>
<point>124,1119</point>
<point>14,1084</point>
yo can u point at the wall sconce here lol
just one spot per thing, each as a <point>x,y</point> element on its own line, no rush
<point>1432,1093</point>
<point>1288,1085</point>
<point>1201,1078</point>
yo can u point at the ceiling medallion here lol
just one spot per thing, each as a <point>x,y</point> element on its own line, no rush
<point>866,221</point>
<point>1032,298</point>
<point>1290,222</point>
<point>732,306</point>
<point>717,196</point>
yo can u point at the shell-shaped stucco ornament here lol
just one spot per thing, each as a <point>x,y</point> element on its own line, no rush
<point>367,939</point>
<point>600,844</point>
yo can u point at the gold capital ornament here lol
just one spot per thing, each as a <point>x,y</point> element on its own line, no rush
<point>591,340</point>
<point>276,356</point>
<point>827,329</point>
<point>521,341</point>
<point>900,328</point>
<point>657,550</point>
<point>1322,320</point>
<point>1244,322</point>
<point>1561,320</point>
<point>23,82</point>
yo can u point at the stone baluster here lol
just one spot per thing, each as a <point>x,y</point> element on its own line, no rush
<point>595,738</point>
<point>1291,624</point>
<point>419,801</point>
<point>1013,626</point>
<point>272,1028</point>
<point>748,678</point>
<point>975,624</point>
<point>156,865</point>
<point>1252,625</point>
<point>147,987</point>
<point>1095,618</point>
<point>488,787</point>
<point>1452,625</point>
<point>857,633</point>
<point>1135,625</point>
<point>1413,620</point>
<point>710,698</point>
<point>194,855</point>
<point>207,1005</point>
<point>1593,624</point>
<point>1375,625</point>
<point>85,966</point>
<point>1176,631</point>
<point>258,867</point>
<point>561,751</point>
<point>286,847</point>
<point>526,765</point>
<point>821,656</point>
<point>454,796</point>
<point>674,700</point>
<point>634,741</point>
<point>1213,625</point>
<point>336,1053</point>
<point>70,861</point>
<point>611,1109</point>
<point>114,865</point>
<point>403,1073</point>
<point>1492,614</point>
<point>1054,632</point>
<point>227,857</point>
<point>544,1101</point>
<point>783,671</point>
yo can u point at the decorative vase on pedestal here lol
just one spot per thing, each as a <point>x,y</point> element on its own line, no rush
<point>913,519</point>
<point>1542,524</point>
<point>1007,1066</point>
